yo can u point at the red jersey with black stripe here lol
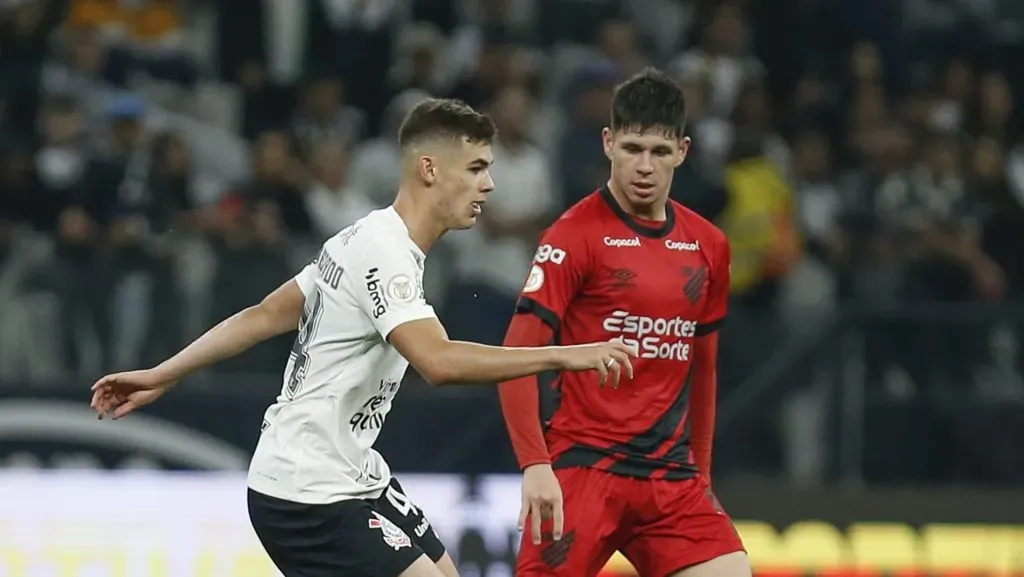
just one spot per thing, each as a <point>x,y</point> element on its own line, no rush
<point>600,274</point>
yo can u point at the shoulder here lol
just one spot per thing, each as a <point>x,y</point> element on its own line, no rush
<point>371,236</point>
<point>703,230</point>
<point>577,220</point>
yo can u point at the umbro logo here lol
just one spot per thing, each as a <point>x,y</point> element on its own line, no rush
<point>623,277</point>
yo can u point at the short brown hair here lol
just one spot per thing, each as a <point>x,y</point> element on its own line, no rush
<point>649,100</point>
<point>445,119</point>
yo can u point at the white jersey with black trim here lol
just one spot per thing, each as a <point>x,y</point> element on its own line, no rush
<point>316,444</point>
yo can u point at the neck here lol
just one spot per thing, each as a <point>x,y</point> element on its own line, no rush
<point>424,228</point>
<point>655,212</point>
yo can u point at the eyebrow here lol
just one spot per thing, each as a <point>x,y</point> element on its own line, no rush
<point>480,163</point>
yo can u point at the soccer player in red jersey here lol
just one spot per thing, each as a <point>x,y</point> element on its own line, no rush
<point>633,463</point>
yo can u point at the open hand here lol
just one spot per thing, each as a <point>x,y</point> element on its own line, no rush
<point>542,499</point>
<point>122,393</point>
<point>608,359</point>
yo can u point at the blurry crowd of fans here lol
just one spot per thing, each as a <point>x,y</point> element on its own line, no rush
<point>854,151</point>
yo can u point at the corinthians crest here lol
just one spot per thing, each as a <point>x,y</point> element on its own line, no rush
<point>393,535</point>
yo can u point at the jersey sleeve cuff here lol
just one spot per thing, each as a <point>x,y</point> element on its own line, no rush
<point>396,320</point>
<point>705,329</point>
<point>528,305</point>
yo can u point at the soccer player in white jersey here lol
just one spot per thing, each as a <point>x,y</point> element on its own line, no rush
<point>322,501</point>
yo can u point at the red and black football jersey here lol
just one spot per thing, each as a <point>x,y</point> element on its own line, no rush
<point>600,274</point>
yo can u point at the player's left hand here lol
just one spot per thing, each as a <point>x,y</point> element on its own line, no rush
<point>122,393</point>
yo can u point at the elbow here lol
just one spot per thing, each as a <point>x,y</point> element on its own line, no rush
<point>441,367</point>
<point>434,373</point>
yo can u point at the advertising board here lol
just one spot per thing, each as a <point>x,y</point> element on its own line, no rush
<point>160,524</point>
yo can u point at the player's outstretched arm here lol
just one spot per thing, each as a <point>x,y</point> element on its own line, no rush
<point>278,313</point>
<point>441,361</point>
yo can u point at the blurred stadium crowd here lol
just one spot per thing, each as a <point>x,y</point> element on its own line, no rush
<point>164,163</point>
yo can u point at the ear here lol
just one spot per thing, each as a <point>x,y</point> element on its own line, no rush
<point>684,147</point>
<point>426,167</point>
<point>608,139</point>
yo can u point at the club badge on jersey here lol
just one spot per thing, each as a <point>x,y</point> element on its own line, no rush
<point>393,536</point>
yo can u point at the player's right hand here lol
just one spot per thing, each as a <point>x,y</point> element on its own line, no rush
<point>122,393</point>
<point>609,359</point>
<point>542,499</point>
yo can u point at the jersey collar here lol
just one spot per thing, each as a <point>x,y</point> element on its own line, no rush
<point>633,224</point>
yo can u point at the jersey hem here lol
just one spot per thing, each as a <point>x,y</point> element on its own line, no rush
<point>706,329</point>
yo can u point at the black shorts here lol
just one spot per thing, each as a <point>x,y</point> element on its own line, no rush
<point>358,538</point>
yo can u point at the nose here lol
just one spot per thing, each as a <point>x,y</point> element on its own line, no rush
<point>645,167</point>
<point>488,183</point>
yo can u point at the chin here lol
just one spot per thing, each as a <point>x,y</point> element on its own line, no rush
<point>464,223</point>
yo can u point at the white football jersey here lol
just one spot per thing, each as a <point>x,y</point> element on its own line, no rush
<point>317,439</point>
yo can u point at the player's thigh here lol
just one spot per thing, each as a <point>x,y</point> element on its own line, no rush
<point>447,566</point>
<point>400,509</point>
<point>735,564</point>
<point>681,526</point>
<point>593,506</point>
<point>342,539</point>
<point>423,567</point>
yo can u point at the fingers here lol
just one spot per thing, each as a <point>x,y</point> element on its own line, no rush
<point>602,372</point>
<point>106,381</point>
<point>524,510</point>
<point>614,371</point>
<point>622,359</point>
<point>535,521</point>
<point>124,409</point>
<point>558,519</point>
<point>620,346</point>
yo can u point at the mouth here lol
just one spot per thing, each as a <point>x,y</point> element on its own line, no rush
<point>643,189</point>
<point>478,207</point>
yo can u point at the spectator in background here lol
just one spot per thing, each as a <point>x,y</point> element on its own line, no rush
<point>753,116</point>
<point>994,113</point>
<point>323,115</point>
<point>277,178</point>
<point>821,208</point>
<point>723,51</point>
<point>60,160</point>
<point>932,226</point>
<point>498,251</point>
<point>711,134</point>
<point>955,93</point>
<point>374,161</point>
<point>499,62</point>
<point>760,222</point>
<point>332,202</point>
<point>18,190</point>
<point>24,30</point>
<point>618,42</point>
<point>417,65</point>
<point>582,164</point>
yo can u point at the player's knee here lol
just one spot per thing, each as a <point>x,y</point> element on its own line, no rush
<point>422,567</point>
<point>735,564</point>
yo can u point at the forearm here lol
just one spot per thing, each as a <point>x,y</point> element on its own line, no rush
<point>230,337</point>
<point>703,402</point>
<point>520,398</point>
<point>461,362</point>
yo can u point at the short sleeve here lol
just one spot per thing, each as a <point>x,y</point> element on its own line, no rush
<point>388,287</point>
<point>560,266</point>
<point>306,279</point>
<point>717,305</point>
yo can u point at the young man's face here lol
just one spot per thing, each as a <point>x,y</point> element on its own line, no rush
<point>643,162</point>
<point>461,178</point>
